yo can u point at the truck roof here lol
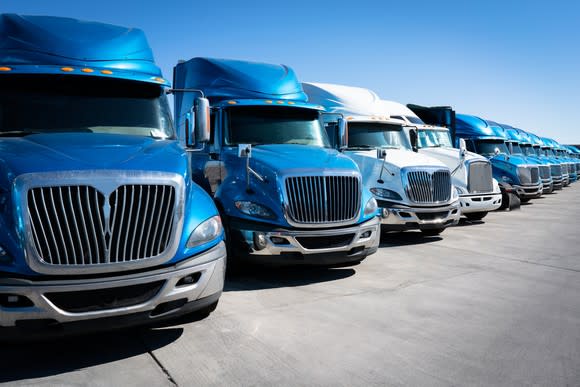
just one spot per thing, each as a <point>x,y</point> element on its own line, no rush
<point>348,100</point>
<point>470,126</point>
<point>232,79</point>
<point>49,44</point>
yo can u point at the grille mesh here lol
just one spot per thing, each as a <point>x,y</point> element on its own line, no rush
<point>479,177</point>
<point>429,187</point>
<point>529,175</point>
<point>69,223</point>
<point>544,171</point>
<point>323,199</point>
<point>556,170</point>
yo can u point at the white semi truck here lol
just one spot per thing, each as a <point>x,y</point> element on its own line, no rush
<point>414,191</point>
<point>471,174</point>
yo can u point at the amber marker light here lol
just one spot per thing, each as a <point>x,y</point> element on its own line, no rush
<point>5,68</point>
<point>291,102</point>
<point>87,70</point>
<point>268,101</point>
<point>158,79</point>
<point>67,69</point>
<point>108,72</point>
<point>279,102</point>
<point>232,102</point>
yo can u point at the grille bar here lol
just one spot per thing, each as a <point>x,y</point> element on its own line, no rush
<point>429,187</point>
<point>323,199</point>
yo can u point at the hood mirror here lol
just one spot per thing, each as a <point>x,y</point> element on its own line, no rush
<point>462,149</point>
<point>413,138</point>
<point>342,134</point>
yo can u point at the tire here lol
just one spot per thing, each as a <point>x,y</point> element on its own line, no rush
<point>432,231</point>
<point>476,215</point>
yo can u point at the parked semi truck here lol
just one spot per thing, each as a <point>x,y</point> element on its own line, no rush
<point>574,153</point>
<point>559,171</point>
<point>286,197</point>
<point>414,191</point>
<point>514,141</point>
<point>513,173</point>
<point>101,224</point>
<point>550,149</point>
<point>564,156</point>
<point>531,150</point>
<point>478,191</point>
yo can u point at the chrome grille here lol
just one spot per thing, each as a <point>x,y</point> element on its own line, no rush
<point>544,172</point>
<point>479,178</point>
<point>528,175</point>
<point>429,186</point>
<point>556,170</point>
<point>564,169</point>
<point>323,199</point>
<point>572,167</point>
<point>80,226</point>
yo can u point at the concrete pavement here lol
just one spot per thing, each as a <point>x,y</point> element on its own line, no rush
<point>480,305</point>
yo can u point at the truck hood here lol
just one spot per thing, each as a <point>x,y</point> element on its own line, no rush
<point>299,159</point>
<point>511,159</point>
<point>399,158</point>
<point>85,151</point>
<point>450,156</point>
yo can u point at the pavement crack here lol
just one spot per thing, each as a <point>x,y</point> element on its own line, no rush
<point>159,364</point>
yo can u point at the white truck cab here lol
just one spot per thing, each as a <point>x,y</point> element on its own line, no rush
<point>471,174</point>
<point>413,190</point>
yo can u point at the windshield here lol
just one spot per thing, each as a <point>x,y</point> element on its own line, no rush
<point>516,150</point>
<point>549,152</point>
<point>538,150</point>
<point>260,125</point>
<point>373,135</point>
<point>528,150</point>
<point>56,104</point>
<point>487,148</point>
<point>433,138</point>
<point>415,120</point>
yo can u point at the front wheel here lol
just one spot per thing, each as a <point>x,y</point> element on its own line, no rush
<point>432,231</point>
<point>475,215</point>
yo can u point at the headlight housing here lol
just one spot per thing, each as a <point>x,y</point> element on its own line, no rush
<point>205,232</point>
<point>371,207</point>
<point>255,209</point>
<point>386,193</point>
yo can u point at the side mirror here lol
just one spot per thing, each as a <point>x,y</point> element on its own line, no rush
<point>496,151</point>
<point>462,148</point>
<point>381,153</point>
<point>342,134</point>
<point>413,138</point>
<point>244,150</point>
<point>202,120</point>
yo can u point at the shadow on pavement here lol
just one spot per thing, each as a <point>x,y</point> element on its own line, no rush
<point>253,277</point>
<point>406,238</point>
<point>30,360</point>
<point>466,222</point>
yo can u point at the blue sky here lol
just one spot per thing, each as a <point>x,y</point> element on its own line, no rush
<point>515,62</point>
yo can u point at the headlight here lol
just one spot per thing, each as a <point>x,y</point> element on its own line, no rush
<point>205,232</point>
<point>455,192</point>
<point>255,209</point>
<point>386,193</point>
<point>371,206</point>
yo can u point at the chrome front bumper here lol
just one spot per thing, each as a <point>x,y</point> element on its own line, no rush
<point>529,191</point>
<point>208,268</point>
<point>399,217</point>
<point>257,242</point>
<point>480,203</point>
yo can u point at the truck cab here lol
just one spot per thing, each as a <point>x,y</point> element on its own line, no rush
<point>564,155</point>
<point>286,196</point>
<point>414,191</point>
<point>532,150</point>
<point>515,142</point>
<point>575,155</point>
<point>550,149</point>
<point>101,223</point>
<point>479,192</point>
<point>488,139</point>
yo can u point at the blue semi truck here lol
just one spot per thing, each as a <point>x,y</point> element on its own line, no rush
<point>515,141</point>
<point>550,148</point>
<point>513,173</point>
<point>102,226</point>
<point>531,149</point>
<point>286,197</point>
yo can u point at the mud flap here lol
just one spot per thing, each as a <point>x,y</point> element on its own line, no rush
<point>510,198</point>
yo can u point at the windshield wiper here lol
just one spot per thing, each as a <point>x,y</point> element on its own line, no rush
<point>17,133</point>
<point>361,147</point>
